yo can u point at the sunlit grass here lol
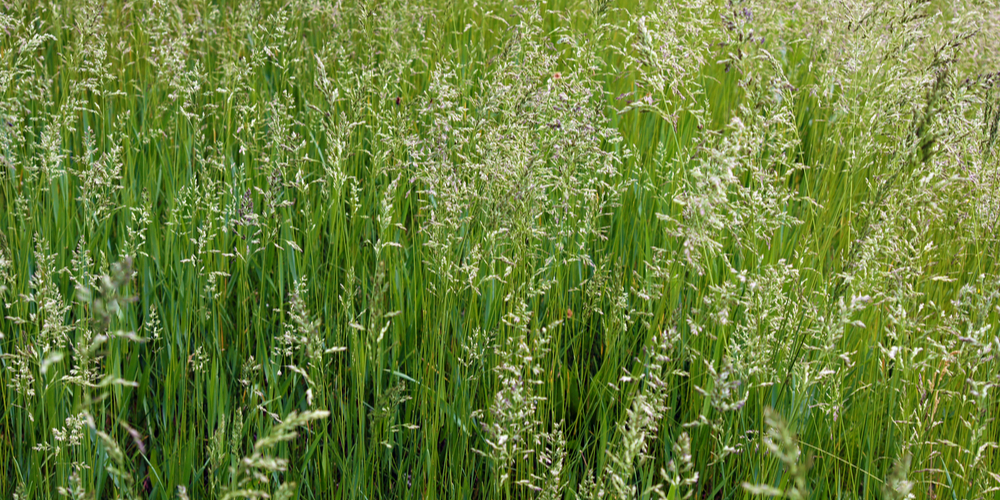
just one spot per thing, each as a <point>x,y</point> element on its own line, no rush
<point>489,249</point>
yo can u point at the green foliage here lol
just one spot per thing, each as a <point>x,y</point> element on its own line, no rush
<point>560,249</point>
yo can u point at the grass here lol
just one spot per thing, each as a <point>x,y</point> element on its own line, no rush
<point>388,249</point>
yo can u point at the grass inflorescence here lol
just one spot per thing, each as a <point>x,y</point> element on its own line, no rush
<point>534,249</point>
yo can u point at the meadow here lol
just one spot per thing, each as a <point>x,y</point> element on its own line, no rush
<point>485,249</point>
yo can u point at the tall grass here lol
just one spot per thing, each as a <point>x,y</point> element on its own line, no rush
<point>574,248</point>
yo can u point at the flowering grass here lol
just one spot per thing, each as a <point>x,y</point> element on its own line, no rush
<point>564,249</point>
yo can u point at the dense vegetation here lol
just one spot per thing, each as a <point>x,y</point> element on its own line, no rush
<point>566,249</point>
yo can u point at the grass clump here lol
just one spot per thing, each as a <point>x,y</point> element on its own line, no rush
<point>561,249</point>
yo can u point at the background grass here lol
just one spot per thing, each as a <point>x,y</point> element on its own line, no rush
<point>515,249</point>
